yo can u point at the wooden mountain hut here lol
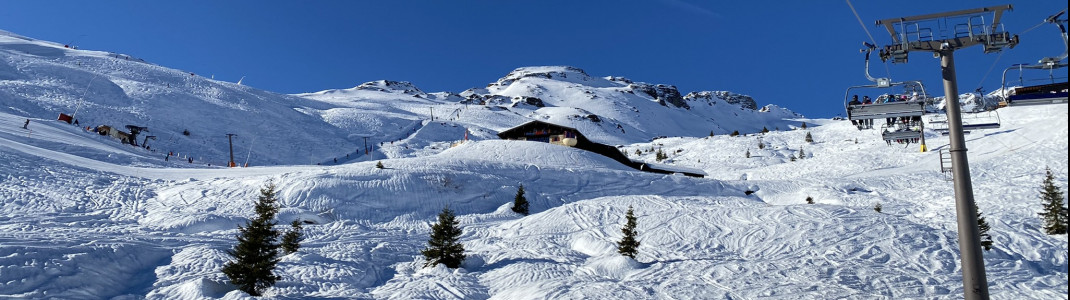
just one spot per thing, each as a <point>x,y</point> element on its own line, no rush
<point>539,131</point>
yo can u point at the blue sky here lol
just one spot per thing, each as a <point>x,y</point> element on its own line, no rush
<point>798,54</point>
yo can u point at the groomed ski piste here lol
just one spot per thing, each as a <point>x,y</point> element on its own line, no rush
<point>85,217</point>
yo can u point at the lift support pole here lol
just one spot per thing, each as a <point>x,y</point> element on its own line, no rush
<point>230,138</point>
<point>974,281</point>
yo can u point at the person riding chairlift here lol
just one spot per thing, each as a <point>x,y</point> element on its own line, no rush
<point>868,123</point>
<point>854,101</point>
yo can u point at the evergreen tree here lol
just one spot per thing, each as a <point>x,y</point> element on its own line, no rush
<point>747,154</point>
<point>379,165</point>
<point>660,155</point>
<point>628,245</point>
<point>761,145</point>
<point>765,130</point>
<point>877,207</point>
<point>809,200</point>
<point>443,247</point>
<point>638,153</point>
<point>711,132</point>
<point>791,157</point>
<point>809,138</point>
<point>1054,213</point>
<point>804,125</point>
<point>292,239</point>
<point>982,226</point>
<point>256,253</point>
<point>802,154</point>
<point>734,133</point>
<point>520,204</point>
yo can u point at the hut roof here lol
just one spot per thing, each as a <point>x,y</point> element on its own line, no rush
<point>519,128</point>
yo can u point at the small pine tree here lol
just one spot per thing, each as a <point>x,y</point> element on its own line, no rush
<point>638,153</point>
<point>711,133</point>
<point>747,154</point>
<point>804,125</point>
<point>761,145</point>
<point>791,157</point>
<point>660,155</point>
<point>256,253</point>
<point>379,165</point>
<point>628,245</point>
<point>765,130</point>
<point>809,200</point>
<point>443,247</point>
<point>802,154</point>
<point>1054,212</point>
<point>983,227</point>
<point>291,241</point>
<point>809,138</point>
<point>734,133</point>
<point>520,204</point>
<point>877,207</point>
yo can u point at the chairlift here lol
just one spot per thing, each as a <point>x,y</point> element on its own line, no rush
<point>970,122</point>
<point>893,106</point>
<point>905,132</point>
<point>1051,91</point>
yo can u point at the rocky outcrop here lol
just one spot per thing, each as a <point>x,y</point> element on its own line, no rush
<point>661,93</point>
<point>533,101</point>
<point>390,86</point>
<point>708,97</point>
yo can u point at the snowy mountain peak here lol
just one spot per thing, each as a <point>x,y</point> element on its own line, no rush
<point>562,73</point>
<point>390,86</point>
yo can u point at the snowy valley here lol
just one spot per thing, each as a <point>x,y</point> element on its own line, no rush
<point>83,216</point>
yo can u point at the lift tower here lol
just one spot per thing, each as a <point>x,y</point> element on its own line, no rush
<point>942,34</point>
<point>230,139</point>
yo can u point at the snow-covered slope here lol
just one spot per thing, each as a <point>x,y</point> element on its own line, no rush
<point>40,80</point>
<point>79,220</point>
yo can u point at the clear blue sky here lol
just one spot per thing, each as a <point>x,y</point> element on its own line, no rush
<point>798,54</point>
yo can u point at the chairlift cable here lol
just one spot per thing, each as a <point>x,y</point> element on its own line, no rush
<point>887,70</point>
<point>250,154</point>
<point>1034,27</point>
<point>860,23</point>
<point>82,99</point>
<point>981,83</point>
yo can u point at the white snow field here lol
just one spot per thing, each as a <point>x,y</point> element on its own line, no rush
<point>85,217</point>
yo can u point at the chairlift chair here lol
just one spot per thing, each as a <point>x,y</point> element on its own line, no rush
<point>911,108</point>
<point>1048,93</point>
<point>902,133</point>
<point>970,122</point>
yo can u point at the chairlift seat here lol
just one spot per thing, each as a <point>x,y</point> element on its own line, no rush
<point>968,127</point>
<point>901,135</point>
<point>886,110</point>
<point>1037,99</point>
<point>1043,88</point>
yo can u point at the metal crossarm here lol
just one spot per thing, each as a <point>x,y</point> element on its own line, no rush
<point>969,31</point>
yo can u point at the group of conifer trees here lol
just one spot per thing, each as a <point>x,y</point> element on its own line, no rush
<point>257,252</point>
